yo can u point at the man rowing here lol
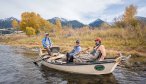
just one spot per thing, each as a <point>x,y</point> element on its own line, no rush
<point>47,43</point>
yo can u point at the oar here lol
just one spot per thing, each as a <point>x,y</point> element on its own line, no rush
<point>35,62</point>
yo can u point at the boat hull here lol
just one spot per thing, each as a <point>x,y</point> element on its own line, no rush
<point>101,67</point>
<point>89,69</point>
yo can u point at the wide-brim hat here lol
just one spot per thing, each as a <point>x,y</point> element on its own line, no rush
<point>77,41</point>
<point>46,34</point>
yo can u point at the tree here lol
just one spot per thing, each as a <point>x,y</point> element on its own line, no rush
<point>34,20</point>
<point>119,22</point>
<point>30,31</point>
<point>128,18</point>
<point>129,15</point>
<point>58,25</point>
<point>45,25</point>
<point>30,20</point>
<point>15,24</point>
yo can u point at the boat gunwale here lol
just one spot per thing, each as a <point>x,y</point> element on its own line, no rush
<point>77,64</point>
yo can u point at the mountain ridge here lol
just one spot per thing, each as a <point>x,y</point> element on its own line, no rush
<point>77,24</point>
<point>6,22</point>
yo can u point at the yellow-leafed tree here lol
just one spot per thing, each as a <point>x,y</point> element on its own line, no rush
<point>45,25</point>
<point>15,23</point>
<point>30,31</point>
<point>58,25</point>
<point>129,15</point>
<point>30,19</point>
<point>128,18</point>
<point>34,20</point>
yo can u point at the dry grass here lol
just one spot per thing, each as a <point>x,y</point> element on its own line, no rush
<point>114,39</point>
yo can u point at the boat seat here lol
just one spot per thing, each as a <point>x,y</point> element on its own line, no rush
<point>55,49</point>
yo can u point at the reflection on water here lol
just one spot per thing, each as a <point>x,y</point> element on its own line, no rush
<point>16,67</point>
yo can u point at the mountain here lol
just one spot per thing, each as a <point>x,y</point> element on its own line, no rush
<point>53,20</point>
<point>96,23</point>
<point>141,19</point>
<point>64,22</point>
<point>6,22</point>
<point>75,24</point>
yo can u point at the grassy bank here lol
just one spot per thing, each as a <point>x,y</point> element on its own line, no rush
<point>115,40</point>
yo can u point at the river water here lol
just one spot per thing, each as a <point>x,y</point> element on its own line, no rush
<point>16,67</point>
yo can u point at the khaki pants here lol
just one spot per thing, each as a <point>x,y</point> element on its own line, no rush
<point>49,51</point>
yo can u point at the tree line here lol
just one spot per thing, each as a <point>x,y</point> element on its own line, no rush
<point>32,23</point>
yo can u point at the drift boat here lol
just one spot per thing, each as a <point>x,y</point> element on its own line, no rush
<point>93,68</point>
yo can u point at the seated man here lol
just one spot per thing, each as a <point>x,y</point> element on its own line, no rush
<point>75,51</point>
<point>47,43</point>
<point>98,52</point>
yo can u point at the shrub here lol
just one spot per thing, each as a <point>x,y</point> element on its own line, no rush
<point>30,31</point>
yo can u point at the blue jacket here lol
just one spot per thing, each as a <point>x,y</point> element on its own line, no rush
<point>75,51</point>
<point>46,42</point>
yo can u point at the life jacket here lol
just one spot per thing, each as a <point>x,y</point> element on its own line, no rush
<point>96,53</point>
<point>48,40</point>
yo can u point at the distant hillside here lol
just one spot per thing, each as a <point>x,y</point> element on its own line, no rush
<point>75,24</point>
<point>64,22</point>
<point>53,20</point>
<point>96,23</point>
<point>141,19</point>
<point>6,23</point>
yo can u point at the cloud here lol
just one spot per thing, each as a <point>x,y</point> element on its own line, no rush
<point>142,11</point>
<point>82,10</point>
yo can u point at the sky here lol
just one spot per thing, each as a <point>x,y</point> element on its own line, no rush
<point>84,11</point>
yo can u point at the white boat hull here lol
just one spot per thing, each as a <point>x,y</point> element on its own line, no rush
<point>83,69</point>
<point>102,67</point>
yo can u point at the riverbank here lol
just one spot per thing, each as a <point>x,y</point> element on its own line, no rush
<point>115,41</point>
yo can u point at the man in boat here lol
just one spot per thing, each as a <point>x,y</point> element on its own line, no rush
<point>76,50</point>
<point>47,43</point>
<point>98,51</point>
<point>97,54</point>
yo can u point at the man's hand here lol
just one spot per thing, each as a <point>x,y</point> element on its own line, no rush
<point>84,51</point>
<point>48,46</point>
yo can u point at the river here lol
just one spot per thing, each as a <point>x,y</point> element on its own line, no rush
<point>16,67</point>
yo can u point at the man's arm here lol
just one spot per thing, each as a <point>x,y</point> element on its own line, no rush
<point>103,51</point>
<point>85,51</point>
<point>50,42</point>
